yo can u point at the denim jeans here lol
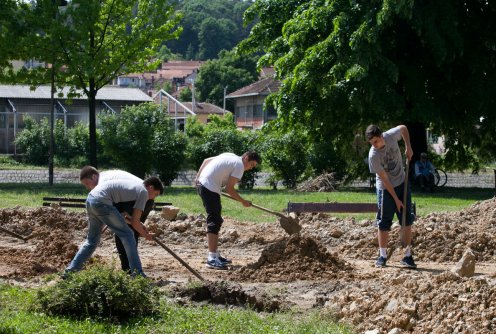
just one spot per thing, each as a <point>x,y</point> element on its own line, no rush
<point>387,208</point>
<point>100,214</point>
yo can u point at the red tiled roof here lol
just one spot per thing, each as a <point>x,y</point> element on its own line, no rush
<point>262,87</point>
<point>200,108</point>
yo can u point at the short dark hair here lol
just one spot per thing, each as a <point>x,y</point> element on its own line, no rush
<point>372,131</point>
<point>252,156</point>
<point>87,172</point>
<point>155,183</point>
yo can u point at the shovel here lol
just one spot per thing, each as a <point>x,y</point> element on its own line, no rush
<point>161,244</point>
<point>403,212</point>
<point>289,224</point>
<point>13,234</point>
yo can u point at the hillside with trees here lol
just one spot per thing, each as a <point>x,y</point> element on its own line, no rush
<point>209,26</point>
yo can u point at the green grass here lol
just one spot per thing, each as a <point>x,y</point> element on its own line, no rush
<point>186,198</point>
<point>16,316</point>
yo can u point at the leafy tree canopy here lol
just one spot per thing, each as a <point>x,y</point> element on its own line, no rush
<point>346,64</point>
<point>90,42</point>
<point>209,26</point>
<point>231,70</point>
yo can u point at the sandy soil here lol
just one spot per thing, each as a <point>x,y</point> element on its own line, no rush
<point>328,266</point>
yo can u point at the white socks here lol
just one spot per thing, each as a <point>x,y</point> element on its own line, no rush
<point>212,255</point>
<point>408,251</point>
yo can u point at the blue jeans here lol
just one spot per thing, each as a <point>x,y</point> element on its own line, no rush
<point>100,214</point>
<point>387,208</point>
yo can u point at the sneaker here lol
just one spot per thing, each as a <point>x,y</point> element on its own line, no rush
<point>380,262</point>
<point>408,262</point>
<point>224,260</point>
<point>216,264</point>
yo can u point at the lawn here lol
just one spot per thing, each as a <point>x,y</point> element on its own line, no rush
<point>444,199</point>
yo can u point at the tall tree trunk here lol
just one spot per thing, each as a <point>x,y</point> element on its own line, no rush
<point>92,107</point>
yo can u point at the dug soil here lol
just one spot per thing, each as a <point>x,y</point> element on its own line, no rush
<point>329,266</point>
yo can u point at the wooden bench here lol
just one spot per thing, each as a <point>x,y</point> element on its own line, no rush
<point>337,207</point>
<point>81,202</point>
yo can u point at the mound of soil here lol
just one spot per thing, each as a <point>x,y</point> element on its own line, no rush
<point>296,258</point>
<point>417,303</point>
<point>50,247</point>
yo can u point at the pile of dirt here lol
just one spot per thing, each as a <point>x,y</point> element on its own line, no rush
<point>445,236</point>
<point>416,302</point>
<point>50,247</point>
<point>437,237</point>
<point>296,258</point>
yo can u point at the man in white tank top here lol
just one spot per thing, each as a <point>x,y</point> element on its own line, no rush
<point>215,173</point>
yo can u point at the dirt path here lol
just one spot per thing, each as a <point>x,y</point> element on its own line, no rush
<point>329,266</point>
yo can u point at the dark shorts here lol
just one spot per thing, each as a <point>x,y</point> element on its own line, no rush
<point>213,206</point>
<point>387,208</point>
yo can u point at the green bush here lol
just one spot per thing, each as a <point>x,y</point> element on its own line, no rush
<point>100,292</point>
<point>286,154</point>
<point>71,144</point>
<point>34,141</point>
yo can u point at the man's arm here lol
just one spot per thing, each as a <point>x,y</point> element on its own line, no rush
<point>389,187</point>
<point>203,165</point>
<point>406,139</point>
<point>135,222</point>
<point>233,193</point>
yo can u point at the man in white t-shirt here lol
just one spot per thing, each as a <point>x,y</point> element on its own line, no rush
<point>224,170</point>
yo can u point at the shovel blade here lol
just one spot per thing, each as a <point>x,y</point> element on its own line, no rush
<point>289,225</point>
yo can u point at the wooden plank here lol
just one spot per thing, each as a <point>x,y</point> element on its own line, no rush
<point>67,202</point>
<point>332,207</point>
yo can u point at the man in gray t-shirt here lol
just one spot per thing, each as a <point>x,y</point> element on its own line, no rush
<point>100,210</point>
<point>385,160</point>
<point>92,177</point>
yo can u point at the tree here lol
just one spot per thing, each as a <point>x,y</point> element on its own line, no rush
<point>215,35</point>
<point>141,139</point>
<point>209,27</point>
<point>11,29</point>
<point>231,70</point>
<point>285,153</point>
<point>91,42</point>
<point>346,64</point>
<point>186,95</point>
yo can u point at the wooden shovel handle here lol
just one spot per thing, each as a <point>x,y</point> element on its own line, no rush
<point>259,207</point>
<point>13,234</point>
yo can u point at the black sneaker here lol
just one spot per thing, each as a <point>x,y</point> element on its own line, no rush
<point>380,262</point>
<point>408,262</point>
<point>224,260</point>
<point>216,264</point>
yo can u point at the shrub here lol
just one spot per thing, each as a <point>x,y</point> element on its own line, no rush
<point>100,292</point>
<point>34,140</point>
<point>286,154</point>
<point>71,144</point>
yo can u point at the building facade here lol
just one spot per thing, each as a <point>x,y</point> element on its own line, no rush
<point>19,101</point>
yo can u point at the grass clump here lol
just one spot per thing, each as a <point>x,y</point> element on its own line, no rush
<point>100,292</point>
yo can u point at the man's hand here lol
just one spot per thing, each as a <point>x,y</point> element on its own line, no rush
<point>398,203</point>
<point>246,203</point>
